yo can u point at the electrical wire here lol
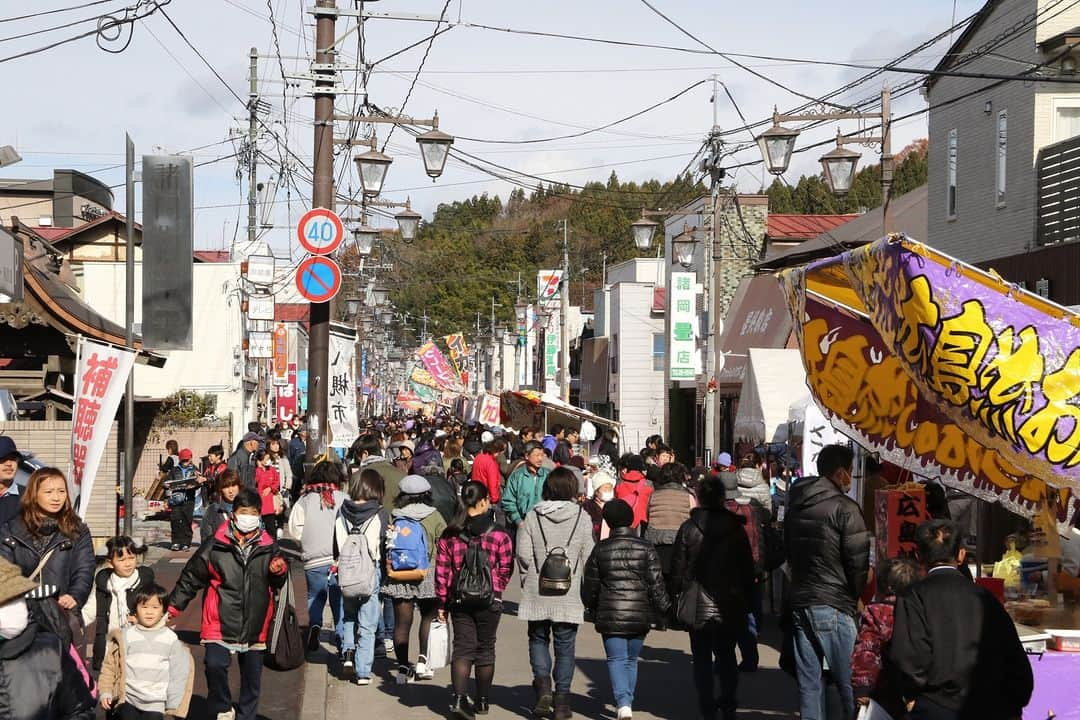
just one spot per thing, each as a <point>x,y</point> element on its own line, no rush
<point>43,13</point>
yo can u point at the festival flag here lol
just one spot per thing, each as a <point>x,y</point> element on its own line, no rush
<point>456,344</point>
<point>439,367</point>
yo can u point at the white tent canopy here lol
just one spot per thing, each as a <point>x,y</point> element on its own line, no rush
<point>774,378</point>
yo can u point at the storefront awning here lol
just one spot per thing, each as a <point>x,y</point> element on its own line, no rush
<point>773,379</point>
<point>757,318</point>
<point>946,370</point>
<point>530,408</point>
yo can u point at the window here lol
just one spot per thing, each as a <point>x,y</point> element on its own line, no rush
<point>659,351</point>
<point>1066,120</point>
<point>613,364</point>
<point>1002,148</point>
<point>950,201</point>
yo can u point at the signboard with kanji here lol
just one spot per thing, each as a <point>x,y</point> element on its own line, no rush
<point>285,399</point>
<point>341,403</point>
<point>281,354</point>
<point>898,514</point>
<point>682,296</point>
<point>100,377</point>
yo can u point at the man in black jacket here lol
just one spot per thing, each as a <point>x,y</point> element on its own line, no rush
<point>828,553</point>
<point>954,648</point>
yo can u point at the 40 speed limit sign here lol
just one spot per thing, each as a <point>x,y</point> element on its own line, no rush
<point>320,231</point>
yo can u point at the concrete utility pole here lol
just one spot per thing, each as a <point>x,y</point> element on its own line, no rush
<point>564,322</point>
<point>261,394</point>
<point>322,195</point>
<point>129,320</point>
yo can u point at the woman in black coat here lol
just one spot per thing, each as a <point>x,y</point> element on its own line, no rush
<point>47,526</point>
<point>623,585</point>
<point>713,574</point>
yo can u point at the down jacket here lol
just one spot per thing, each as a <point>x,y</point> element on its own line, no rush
<point>712,549</point>
<point>623,584</point>
<point>70,570</point>
<point>827,546</point>
<point>236,607</point>
<point>39,679</point>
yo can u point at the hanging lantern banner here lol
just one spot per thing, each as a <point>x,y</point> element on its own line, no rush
<point>341,403</point>
<point>100,378</point>
<point>439,367</point>
<point>281,355</point>
<point>458,349</point>
<point>871,394</point>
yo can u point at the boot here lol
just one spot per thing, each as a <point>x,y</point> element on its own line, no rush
<point>462,708</point>
<point>481,706</point>
<point>544,705</point>
<point>562,707</point>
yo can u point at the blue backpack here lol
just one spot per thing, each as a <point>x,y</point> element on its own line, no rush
<point>407,545</point>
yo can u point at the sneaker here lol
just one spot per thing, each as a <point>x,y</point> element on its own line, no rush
<point>402,675</point>
<point>175,547</point>
<point>624,713</point>
<point>229,714</point>
<point>348,659</point>
<point>362,681</point>
<point>388,645</point>
<point>313,638</point>
<point>423,672</point>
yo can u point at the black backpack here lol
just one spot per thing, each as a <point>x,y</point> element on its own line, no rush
<point>557,572</point>
<point>473,588</point>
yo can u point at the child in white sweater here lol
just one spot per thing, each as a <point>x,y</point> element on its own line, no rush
<point>147,672</point>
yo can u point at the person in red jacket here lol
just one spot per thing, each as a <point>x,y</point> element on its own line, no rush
<point>485,469</point>
<point>634,488</point>
<point>268,483</point>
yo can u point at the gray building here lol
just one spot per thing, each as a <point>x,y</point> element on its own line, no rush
<point>1003,178</point>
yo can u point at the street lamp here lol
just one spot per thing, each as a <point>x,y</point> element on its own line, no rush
<point>8,156</point>
<point>386,317</point>
<point>839,165</point>
<point>352,307</point>
<point>372,166</point>
<point>682,246</point>
<point>380,295</point>
<point>408,222</point>
<point>364,238</point>
<point>777,143</point>
<point>643,230</point>
<point>434,148</point>
<point>500,333</point>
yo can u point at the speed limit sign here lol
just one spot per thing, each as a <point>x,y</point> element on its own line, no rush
<point>320,231</point>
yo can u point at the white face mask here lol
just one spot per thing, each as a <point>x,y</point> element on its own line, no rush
<point>606,496</point>
<point>247,523</point>
<point>14,617</point>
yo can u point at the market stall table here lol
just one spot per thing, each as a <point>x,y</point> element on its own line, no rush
<point>1056,687</point>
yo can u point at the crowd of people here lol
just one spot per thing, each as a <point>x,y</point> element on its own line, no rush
<point>426,523</point>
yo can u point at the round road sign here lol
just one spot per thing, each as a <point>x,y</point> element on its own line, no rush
<point>320,231</point>
<point>318,279</point>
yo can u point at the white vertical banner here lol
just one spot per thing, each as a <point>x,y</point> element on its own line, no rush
<point>684,360</point>
<point>100,378</point>
<point>817,433</point>
<point>341,403</point>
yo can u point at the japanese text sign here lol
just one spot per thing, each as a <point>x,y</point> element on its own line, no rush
<point>341,402</point>
<point>682,297</point>
<point>898,514</point>
<point>439,367</point>
<point>281,354</point>
<point>285,400</point>
<point>489,409</point>
<point>100,378</point>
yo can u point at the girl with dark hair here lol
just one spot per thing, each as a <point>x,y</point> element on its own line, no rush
<point>268,483</point>
<point>114,586</point>
<point>473,537</point>
<point>227,486</point>
<point>48,528</point>
<point>410,589</point>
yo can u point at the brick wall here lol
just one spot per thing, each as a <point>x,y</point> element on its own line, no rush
<point>197,439</point>
<point>740,231</point>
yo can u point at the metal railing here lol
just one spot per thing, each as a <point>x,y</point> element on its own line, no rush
<point>1058,193</point>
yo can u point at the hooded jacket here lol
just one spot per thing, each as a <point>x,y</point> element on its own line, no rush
<point>712,550</point>
<point>313,525</point>
<point>236,606</point>
<point>635,490</point>
<point>39,679</point>
<point>355,515</point>
<point>431,520</point>
<point>623,584</point>
<point>827,546</point>
<point>753,485</point>
<point>557,519</point>
<point>70,569</point>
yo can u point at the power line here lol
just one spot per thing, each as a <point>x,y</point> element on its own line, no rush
<point>43,13</point>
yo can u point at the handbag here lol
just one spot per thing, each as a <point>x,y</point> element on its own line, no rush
<point>438,646</point>
<point>285,650</point>
<point>686,609</point>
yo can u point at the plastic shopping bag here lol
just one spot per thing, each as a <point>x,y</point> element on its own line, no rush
<point>873,711</point>
<point>438,655</point>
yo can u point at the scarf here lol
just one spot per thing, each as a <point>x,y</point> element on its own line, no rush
<point>326,493</point>
<point>118,603</point>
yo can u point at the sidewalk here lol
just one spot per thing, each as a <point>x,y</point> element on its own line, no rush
<point>665,688</point>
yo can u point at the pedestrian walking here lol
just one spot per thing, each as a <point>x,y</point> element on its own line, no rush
<point>553,544</point>
<point>109,606</point>
<point>219,509</point>
<point>756,521</point>
<point>411,544</point>
<point>827,548</point>
<point>669,507</point>
<point>633,487</point>
<point>243,460</point>
<point>623,586</point>
<point>954,648</point>
<point>237,570</point>
<point>359,549</point>
<point>485,469</point>
<point>212,469</point>
<point>311,521</point>
<point>603,494</point>
<point>473,565</point>
<point>281,462</point>
<point>268,483</point>
<point>525,486</point>
<point>147,672</point>
<point>713,569</point>
<point>182,483</point>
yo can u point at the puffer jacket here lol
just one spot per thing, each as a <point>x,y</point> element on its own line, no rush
<point>236,606</point>
<point>827,546</point>
<point>669,507</point>
<point>39,679</point>
<point>103,606</point>
<point>712,549</point>
<point>753,485</point>
<point>70,570</point>
<point>623,583</point>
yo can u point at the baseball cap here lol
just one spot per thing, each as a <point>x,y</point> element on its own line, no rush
<point>7,447</point>
<point>185,454</point>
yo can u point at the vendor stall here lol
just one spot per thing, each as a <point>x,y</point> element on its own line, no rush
<point>773,378</point>
<point>530,409</point>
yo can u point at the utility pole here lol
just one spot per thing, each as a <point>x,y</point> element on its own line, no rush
<point>261,394</point>
<point>564,322</point>
<point>322,195</point>
<point>129,321</point>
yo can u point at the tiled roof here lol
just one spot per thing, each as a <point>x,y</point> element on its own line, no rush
<point>212,256</point>
<point>51,233</point>
<point>802,227</point>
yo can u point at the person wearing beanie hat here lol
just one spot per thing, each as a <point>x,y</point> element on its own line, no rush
<point>34,663</point>
<point>723,461</point>
<point>623,587</point>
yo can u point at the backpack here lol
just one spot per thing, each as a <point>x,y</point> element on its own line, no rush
<point>556,573</point>
<point>406,545</point>
<point>473,588</point>
<point>355,568</point>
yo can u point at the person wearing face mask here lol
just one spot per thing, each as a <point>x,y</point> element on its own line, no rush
<point>36,670</point>
<point>9,467</point>
<point>594,506</point>
<point>238,568</point>
<point>828,555</point>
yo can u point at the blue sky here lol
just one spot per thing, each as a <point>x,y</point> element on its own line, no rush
<point>72,104</point>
